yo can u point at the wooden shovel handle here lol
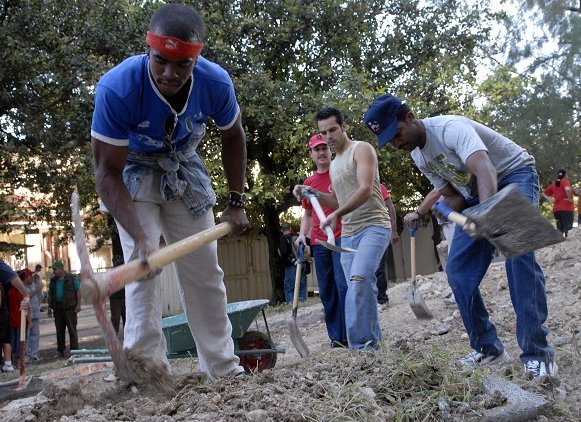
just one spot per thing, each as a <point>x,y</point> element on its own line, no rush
<point>115,279</point>
<point>453,216</point>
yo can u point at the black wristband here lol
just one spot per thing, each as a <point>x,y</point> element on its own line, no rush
<point>418,213</point>
<point>236,199</point>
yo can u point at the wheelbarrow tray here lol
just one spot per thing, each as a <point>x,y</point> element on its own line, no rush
<point>179,338</point>
<point>256,349</point>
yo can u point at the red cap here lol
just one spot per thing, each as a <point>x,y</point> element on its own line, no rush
<point>316,140</point>
<point>27,271</point>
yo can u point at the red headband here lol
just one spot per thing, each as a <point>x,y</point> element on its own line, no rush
<point>173,47</point>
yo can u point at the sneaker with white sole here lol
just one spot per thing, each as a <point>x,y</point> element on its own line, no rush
<point>539,370</point>
<point>8,368</point>
<point>475,358</point>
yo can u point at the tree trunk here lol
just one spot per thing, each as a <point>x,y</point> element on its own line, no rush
<point>273,234</point>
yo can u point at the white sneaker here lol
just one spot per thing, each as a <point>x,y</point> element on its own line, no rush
<point>8,368</point>
<point>539,370</point>
<point>475,358</point>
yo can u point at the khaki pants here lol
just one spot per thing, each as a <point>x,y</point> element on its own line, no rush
<point>200,283</point>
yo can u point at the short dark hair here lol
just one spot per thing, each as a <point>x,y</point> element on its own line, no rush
<point>327,112</point>
<point>179,21</point>
<point>402,112</point>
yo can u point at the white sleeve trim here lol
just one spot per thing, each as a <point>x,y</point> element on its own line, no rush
<point>108,140</point>
<point>228,126</point>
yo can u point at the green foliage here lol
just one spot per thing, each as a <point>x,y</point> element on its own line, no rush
<point>53,52</point>
<point>550,104</point>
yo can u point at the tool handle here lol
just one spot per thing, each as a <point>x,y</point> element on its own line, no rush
<point>299,269</point>
<point>23,313</point>
<point>320,213</point>
<point>300,253</point>
<point>413,258</point>
<point>453,216</point>
<point>115,279</point>
<point>413,227</point>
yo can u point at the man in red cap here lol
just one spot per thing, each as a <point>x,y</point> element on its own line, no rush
<point>330,275</point>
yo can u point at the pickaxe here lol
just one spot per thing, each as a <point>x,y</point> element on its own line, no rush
<point>96,288</point>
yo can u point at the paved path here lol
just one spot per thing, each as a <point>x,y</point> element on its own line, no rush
<point>88,330</point>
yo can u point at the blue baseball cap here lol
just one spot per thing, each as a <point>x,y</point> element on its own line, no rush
<point>381,118</point>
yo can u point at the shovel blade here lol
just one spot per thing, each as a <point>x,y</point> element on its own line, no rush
<point>419,307</point>
<point>297,338</point>
<point>333,247</point>
<point>512,223</point>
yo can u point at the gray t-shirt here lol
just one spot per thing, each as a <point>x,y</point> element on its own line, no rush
<point>450,140</point>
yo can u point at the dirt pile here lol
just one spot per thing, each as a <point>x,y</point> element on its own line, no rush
<point>414,376</point>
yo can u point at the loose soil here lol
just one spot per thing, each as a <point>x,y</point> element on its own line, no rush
<point>414,375</point>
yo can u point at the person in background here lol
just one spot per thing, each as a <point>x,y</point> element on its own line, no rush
<point>150,115</point>
<point>561,195</point>
<point>14,298</point>
<point>117,308</point>
<point>289,257</point>
<point>38,281</point>
<point>330,276</point>
<point>64,298</point>
<point>577,192</point>
<point>34,286</point>
<point>356,200</point>
<point>468,163</point>
<point>381,273</point>
<point>8,278</point>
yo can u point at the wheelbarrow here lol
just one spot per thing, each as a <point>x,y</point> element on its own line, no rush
<point>256,350</point>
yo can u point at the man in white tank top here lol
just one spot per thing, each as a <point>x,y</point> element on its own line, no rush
<point>357,201</point>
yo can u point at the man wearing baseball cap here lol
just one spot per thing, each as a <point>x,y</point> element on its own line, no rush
<point>64,298</point>
<point>468,163</point>
<point>330,276</point>
<point>365,224</point>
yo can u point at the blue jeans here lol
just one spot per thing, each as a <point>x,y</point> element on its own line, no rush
<point>468,262</point>
<point>361,314</point>
<point>289,284</point>
<point>332,290</point>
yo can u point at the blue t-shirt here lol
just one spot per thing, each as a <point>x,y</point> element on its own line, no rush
<point>129,109</point>
<point>7,274</point>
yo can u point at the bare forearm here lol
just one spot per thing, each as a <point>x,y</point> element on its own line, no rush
<point>116,197</point>
<point>109,164</point>
<point>328,200</point>
<point>306,223</point>
<point>234,157</point>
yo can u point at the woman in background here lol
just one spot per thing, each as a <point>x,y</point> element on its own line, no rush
<point>560,193</point>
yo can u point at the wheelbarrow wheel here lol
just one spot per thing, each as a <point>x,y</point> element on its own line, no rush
<point>258,361</point>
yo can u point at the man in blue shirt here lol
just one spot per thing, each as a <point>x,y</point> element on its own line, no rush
<point>150,115</point>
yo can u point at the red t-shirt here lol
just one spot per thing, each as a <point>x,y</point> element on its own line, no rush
<point>322,183</point>
<point>14,299</point>
<point>561,203</point>
<point>384,192</point>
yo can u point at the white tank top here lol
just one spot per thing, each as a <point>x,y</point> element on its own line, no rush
<point>344,178</point>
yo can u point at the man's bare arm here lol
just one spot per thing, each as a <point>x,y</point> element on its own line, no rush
<point>109,161</point>
<point>234,162</point>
